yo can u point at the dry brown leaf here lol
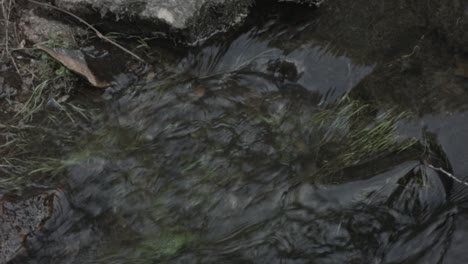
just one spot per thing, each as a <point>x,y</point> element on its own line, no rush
<point>75,61</point>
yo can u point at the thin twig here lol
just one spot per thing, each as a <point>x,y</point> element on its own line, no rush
<point>98,33</point>
<point>448,174</point>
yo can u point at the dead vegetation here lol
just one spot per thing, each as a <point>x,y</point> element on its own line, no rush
<point>40,118</point>
<point>42,113</point>
<point>89,26</point>
<point>9,37</point>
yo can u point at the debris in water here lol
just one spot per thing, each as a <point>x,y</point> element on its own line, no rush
<point>199,91</point>
<point>75,61</point>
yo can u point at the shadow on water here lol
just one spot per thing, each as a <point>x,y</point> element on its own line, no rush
<point>274,144</point>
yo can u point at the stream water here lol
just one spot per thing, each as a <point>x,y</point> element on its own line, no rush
<point>290,140</point>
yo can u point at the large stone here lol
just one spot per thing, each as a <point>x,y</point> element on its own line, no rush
<point>199,18</point>
<point>24,219</point>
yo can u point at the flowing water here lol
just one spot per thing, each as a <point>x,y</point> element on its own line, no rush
<point>289,140</point>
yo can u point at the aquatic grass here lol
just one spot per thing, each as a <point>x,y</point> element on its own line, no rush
<point>205,171</point>
<point>337,120</point>
<point>166,244</point>
<point>377,138</point>
<point>20,170</point>
<point>360,134</point>
<point>55,166</point>
<point>110,144</point>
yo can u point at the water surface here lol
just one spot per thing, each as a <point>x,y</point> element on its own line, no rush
<point>276,143</point>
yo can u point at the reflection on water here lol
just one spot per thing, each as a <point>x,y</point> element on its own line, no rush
<point>253,151</point>
<point>308,64</point>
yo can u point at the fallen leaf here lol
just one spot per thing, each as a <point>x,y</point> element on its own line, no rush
<point>75,61</point>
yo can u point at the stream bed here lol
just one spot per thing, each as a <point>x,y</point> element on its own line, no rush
<point>293,139</point>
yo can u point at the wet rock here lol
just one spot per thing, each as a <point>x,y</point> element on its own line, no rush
<point>342,29</point>
<point>449,17</point>
<point>38,29</point>
<point>200,18</point>
<point>41,226</point>
<point>428,80</point>
<point>283,70</point>
<point>24,219</point>
<point>394,29</point>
